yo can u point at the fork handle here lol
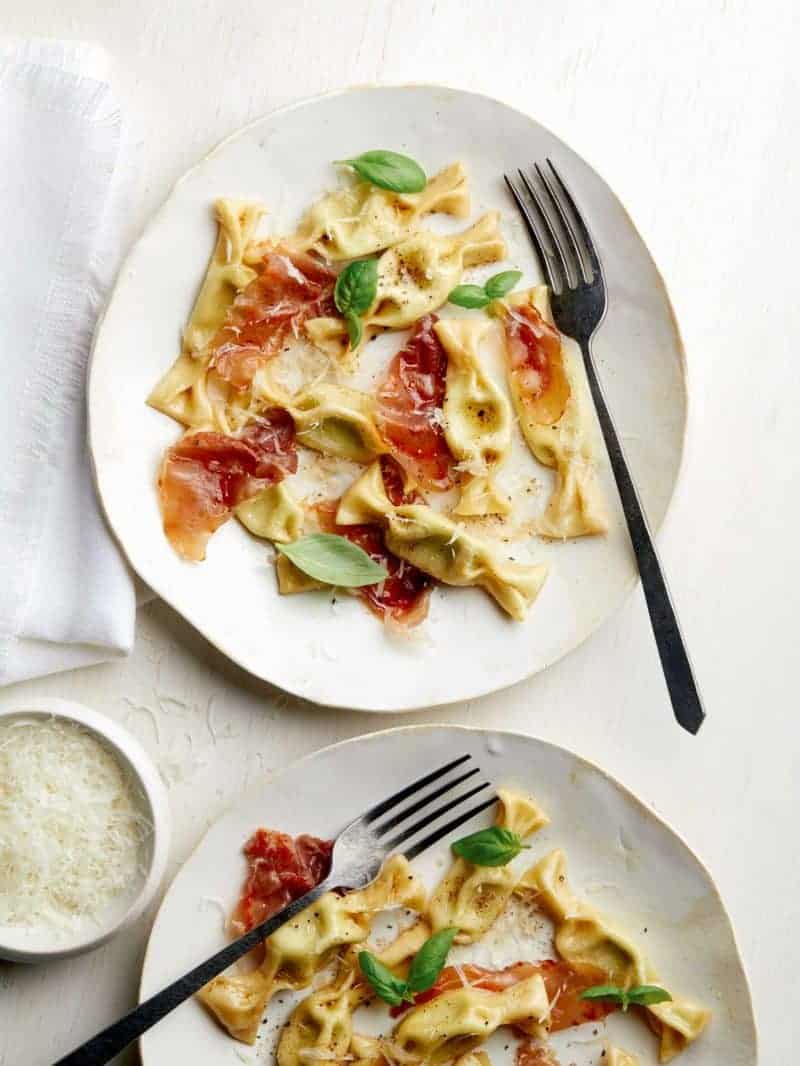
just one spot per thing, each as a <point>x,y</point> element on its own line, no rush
<point>678,672</point>
<point>109,1042</point>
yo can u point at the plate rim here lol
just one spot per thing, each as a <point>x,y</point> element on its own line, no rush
<point>515,734</point>
<point>220,644</point>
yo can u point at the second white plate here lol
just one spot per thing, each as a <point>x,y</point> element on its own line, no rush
<point>343,657</point>
<point>621,857</point>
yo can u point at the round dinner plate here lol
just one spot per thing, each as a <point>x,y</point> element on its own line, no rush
<point>341,656</point>
<point>621,858</point>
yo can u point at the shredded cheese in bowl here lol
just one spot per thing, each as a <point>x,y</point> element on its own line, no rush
<point>75,835</point>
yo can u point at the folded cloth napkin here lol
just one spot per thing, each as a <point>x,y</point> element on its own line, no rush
<point>66,595</point>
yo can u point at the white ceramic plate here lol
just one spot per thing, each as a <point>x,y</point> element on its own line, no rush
<point>343,657</point>
<point>621,856</point>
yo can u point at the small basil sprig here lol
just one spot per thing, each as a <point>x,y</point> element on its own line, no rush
<point>426,967</point>
<point>333,559</point>
<point>640,995</point>
<point>391,989</point>
<point>430,959</point>
<point>388,170</point>
<point>490,847</point>
<point>475,296</point>
<point>354,293</point>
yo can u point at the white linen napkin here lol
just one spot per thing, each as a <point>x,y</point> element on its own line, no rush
<point>66,595</point>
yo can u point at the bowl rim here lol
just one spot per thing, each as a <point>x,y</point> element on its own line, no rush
<point>24,944</point>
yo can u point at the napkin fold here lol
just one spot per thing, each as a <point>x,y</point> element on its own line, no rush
<point>66,595</point>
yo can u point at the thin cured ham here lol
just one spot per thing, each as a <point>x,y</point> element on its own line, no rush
<point>564,984</point>
<point>290,287</point>
<point>537,364</point>
<point>281,868</point>
<point>409,410</point>
<point>205,475</point>
<point>402,597</point>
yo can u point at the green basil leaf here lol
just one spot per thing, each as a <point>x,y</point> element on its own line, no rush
<point>355,329</point>
<point>612,992</point>
<point>489,847</point>
<point>390,988</point>
<point>430,959</point>
<point>644,995</point>
<point>499,284</point>
<point>604,992</point>
<point>334,560</point>
<point>388,170</point>
<point>356,287</point>
<point>469,296</point>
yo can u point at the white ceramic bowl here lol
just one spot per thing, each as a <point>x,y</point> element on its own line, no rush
<point>42,944</point>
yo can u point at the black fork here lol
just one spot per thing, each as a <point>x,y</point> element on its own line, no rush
<point>572,266</point>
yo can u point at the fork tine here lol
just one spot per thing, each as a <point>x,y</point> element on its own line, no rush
<point>442,831</point>
<point>551,229</point>
<point>566,223</point>
<point>548,266</point>
<point>411,830</point>
<point>404,793</point>
<point>588,243</point>
<point>420,804</point>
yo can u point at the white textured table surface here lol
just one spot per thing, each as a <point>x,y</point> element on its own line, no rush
<point>690,111</point>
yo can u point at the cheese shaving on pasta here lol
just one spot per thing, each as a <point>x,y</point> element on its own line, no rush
<point>618,1057</point>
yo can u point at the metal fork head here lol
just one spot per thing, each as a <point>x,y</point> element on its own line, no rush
<point>400,821</point>
<point>565,249</point>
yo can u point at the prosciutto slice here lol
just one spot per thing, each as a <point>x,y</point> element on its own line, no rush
<point>290,288</point>
<point>205,475</point>
<point>409,408</point>
<point>281,868</point>
<point>536,363</point>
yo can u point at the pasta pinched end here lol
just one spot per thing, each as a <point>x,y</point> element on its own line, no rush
<point>320,1026</point>
<point>273,514</point>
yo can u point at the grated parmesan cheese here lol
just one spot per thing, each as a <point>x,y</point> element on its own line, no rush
<point>475,466</point>
<point>72,828</point>
<point>437,417</point>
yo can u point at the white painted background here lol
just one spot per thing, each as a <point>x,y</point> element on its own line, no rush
<point>690,110</point>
